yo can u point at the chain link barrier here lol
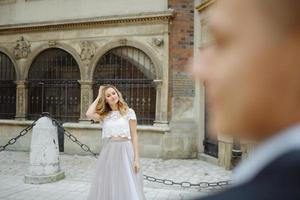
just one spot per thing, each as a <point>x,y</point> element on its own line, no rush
<point>84,147</point>
<point>186,184</point>
<point>21,134</point>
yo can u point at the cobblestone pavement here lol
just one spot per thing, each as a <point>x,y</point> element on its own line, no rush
<point>79,171</point>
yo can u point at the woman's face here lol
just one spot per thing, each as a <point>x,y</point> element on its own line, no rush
<point>111,96</point>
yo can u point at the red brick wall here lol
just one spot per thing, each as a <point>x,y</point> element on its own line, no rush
<point>181,33</point>
<point>181,47</point>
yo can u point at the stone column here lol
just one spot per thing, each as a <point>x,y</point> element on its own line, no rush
<point>225,150</point>
<point>21,100</point>
<point>199,106</point>
<point>160,110</point>
<point>86,94</point>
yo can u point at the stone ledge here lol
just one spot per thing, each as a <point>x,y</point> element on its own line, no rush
<point>7,2</point>
<point>16,122</point>
<point>97,126</point>
<point>87,22</point>
<point>204,4</point>
<point>85,126</point>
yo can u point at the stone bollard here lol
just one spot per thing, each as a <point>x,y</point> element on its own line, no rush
<point>44,154</point>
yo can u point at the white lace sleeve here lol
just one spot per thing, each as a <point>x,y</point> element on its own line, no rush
<point>131,114</point>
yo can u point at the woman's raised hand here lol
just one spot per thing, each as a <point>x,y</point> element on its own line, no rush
<point>100,90</point>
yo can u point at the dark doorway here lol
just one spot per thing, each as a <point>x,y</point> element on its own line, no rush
<point>210,141</point>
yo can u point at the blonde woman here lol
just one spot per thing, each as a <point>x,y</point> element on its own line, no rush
<point>118,171</point>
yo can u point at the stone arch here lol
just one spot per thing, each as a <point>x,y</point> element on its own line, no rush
<point>11,57</point>
<point>53,85</point>
<point>131,43</point>
<point>61,46</point>
<point>8,76</point>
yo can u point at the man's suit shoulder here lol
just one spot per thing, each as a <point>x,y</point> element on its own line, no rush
<point>280,179</point>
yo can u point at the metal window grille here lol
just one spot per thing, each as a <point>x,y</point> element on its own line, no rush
<point>53,86</point>
<point>7,88</point>
<point>132,72</point>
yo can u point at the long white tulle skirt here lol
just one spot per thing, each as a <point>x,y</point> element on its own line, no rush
<point>115,178</point>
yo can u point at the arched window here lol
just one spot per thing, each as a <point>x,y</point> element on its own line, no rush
<point>132,72</point>
<point>53,86</point>
<point>7,88</point>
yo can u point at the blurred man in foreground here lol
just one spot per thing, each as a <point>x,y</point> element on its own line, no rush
<point>251,74</point>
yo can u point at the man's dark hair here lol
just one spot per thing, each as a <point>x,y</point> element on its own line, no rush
<point>284,14</point>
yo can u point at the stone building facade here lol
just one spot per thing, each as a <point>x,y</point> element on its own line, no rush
<point>142,46</point>
<point>39,38</point>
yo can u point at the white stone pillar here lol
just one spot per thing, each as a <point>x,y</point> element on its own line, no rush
<point>44,154</point>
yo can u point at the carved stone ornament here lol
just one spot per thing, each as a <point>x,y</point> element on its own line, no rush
<point>88,51</point>
<point>157,41</point>
<point>51,43</point>
<point>22,48</point>
<point>123,41</point>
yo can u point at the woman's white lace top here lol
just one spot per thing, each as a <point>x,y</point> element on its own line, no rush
<point>114,124</point>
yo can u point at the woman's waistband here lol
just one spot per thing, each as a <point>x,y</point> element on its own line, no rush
<point>125,139</point>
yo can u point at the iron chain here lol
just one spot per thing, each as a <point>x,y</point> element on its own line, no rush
<point>22,133</point>
<point>72,137</point>
<point>184,184</point>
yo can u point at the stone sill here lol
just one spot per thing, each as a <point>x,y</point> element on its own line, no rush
<point>96,126</point>
<point>207,158</point>
<point>15,122</point>
<point>86,125</point>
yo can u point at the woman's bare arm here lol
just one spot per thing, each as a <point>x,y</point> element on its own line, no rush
<point>134,136</point>
<point>91,112</point>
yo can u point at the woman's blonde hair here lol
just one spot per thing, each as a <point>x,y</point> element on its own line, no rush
<point>103,108</point>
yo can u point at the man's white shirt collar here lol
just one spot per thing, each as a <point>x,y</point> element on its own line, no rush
<point>283,142</point>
